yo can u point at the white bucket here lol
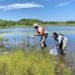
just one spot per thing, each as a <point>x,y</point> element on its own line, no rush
<point>53,51</point>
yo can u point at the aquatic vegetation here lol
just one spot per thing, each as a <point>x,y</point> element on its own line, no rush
<point>31,62</point>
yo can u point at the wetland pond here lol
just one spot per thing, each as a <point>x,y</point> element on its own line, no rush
<point>11,38</point>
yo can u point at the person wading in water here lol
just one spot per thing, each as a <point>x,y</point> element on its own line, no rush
<point>41,32</point>
<point>61,41</point>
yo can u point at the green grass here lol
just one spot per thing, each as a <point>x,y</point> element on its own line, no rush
<point>29,63</point>
<point>29,26</point>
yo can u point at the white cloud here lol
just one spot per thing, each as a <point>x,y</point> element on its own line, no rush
<point>63,4</point>
<point>20,6</point>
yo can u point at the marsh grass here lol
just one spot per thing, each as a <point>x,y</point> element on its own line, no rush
<point>31,62</point>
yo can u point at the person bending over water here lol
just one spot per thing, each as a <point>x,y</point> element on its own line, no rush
<point>41,32</point>
<point>61,41</point>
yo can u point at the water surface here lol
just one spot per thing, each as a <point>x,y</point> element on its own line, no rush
<point>15,37</point>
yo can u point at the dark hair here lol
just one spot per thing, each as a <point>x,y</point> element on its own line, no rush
<point>55,35</point>
<point>36,27</point>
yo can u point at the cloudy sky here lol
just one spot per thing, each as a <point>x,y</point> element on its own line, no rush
<point>47,10</point>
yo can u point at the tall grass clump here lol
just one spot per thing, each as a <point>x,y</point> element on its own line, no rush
<point>32,62</point>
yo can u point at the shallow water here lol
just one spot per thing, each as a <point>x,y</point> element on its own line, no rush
<point>24,34</point>
<point>21,37</point>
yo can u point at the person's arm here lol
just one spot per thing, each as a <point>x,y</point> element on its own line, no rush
<point>65,39</point>
<point>37,35</point>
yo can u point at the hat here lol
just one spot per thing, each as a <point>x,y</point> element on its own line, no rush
<point>35,25</point>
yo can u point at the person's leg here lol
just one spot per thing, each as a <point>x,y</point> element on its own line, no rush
<point>43,44</point>
<point>60,45</point>
<point>45,39</point>
<point>61,48</point>
<point>64,45</point>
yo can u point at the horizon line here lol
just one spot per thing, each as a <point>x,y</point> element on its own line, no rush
<point>38,19</point>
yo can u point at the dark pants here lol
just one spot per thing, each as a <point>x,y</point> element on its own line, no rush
<point>61,47</point>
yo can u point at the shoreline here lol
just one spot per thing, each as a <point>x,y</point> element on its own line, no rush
<point>25,26</point>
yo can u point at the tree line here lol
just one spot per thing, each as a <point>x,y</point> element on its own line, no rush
<point>30,22</point>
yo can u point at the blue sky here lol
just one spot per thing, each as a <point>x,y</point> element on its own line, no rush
<point>46,10</point>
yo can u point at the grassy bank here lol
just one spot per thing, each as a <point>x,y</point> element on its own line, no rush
<point>29,63</point>
<point>27,26</point>
<point>59,24</point>
<point>18,26</point>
